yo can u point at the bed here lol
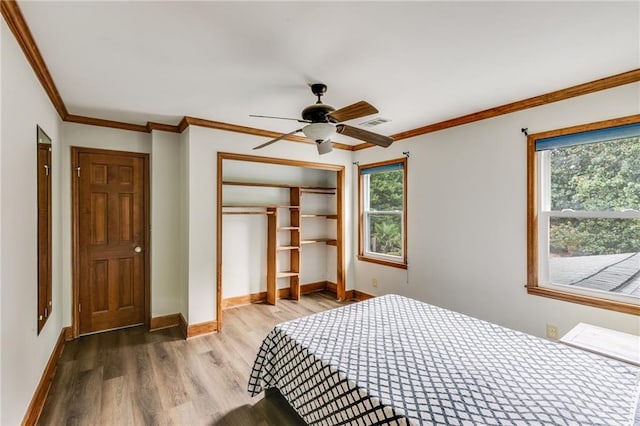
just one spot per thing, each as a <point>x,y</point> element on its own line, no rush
<point>394,360</point>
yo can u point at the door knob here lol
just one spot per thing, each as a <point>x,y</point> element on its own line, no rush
<point>138,249</point>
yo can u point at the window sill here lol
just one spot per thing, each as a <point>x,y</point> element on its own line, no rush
<point>400,265</point>
<point>596,302</point>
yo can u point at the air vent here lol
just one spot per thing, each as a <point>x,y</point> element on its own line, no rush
<point>375,122</point>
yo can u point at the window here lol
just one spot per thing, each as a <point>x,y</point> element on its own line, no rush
<point>584,214</point>
<point>382,220</point>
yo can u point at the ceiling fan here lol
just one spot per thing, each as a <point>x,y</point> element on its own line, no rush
<point>323,121</point>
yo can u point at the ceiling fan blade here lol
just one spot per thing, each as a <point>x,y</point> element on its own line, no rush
<point>364,135</point>
<point>280,118</point>
<point>277,139</point>
<point>359,109</point>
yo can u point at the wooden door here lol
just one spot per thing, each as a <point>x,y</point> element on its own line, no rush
<point>111,239</point>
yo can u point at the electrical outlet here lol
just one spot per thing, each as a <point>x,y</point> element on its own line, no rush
<point>374,282</point>
<point>552,331</point>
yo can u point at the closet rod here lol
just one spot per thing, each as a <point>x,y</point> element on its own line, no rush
<point>317,192</point>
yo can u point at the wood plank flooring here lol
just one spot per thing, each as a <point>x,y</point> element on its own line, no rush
<point>133,377</point>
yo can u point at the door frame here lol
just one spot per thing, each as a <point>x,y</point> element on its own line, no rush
<point>75,237</point>
<point>340,232</point>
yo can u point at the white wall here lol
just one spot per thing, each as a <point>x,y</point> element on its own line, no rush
<point>81,135</point>
<point>467,218</point>
<point>24,354</point>
<point>203,145</point>
<point>166,256</point>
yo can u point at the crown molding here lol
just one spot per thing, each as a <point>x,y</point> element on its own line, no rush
<point>547,98</point>
<point>183,124</point>
<point>191,121</point>
<point>163,127</point>
<point>201,122</point>
<point>92,121</point>
<point>15,21</point>
<point>143,128</point>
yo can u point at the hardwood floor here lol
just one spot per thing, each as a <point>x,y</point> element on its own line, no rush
<point>134,377</point>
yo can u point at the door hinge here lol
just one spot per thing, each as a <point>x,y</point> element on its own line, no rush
<point>79,307</point>
<point>78,171</point>
<point>46,170</point>
<point>46,313</point>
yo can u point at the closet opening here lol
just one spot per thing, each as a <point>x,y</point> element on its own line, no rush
<point>280,230</point>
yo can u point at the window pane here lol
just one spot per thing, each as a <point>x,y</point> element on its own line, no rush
<point>385,235</point>
<point>597,177</point>
<point>386,190</point>
<point>600,254</point>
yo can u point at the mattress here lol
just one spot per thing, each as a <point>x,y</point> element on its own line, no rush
<point>395,360</point>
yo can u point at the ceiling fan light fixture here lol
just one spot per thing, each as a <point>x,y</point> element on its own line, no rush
<point>319,132</point>
<point>323,121</point>
<point>324,147</point>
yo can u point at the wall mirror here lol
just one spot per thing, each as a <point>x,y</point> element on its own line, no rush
<point>43,162</point>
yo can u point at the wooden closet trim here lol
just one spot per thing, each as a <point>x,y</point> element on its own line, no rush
<point>221,157</point>
<point>280,161</point>
<point>340,182</point>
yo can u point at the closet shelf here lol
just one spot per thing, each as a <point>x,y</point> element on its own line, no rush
<point>256,184</point>
<point>277,185</point>
<point>243,209</point>
<point>257,206</point>
<point>282,204</point>
<point>327,215</point>
<point>244,212</point>
<point>249,206</point>
<point>330,241</point>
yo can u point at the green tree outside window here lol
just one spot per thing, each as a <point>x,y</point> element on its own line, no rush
<point>595,177</point>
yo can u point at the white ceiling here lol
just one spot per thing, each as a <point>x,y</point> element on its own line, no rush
<point>417,62</point>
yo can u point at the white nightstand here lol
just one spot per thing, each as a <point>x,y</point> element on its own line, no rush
<point>603,341</point>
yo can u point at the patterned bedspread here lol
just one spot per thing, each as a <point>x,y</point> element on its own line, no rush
<point>394,360</point>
